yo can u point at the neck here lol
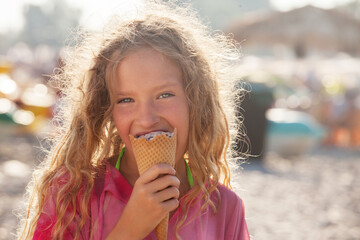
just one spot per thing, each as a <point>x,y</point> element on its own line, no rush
<point>128,168</point>
<point>181,174</point>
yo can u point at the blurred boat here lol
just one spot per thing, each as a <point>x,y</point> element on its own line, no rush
<point>12,119</point>
<point>38,100</point>
<point>8,87</point>
<point>5,67</point>
<point>292,133</point>
<point>23,110</point>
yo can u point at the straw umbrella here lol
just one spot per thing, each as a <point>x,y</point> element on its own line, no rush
<point>302,28</point>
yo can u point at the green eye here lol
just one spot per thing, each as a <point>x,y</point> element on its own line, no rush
<point>166,95</point>
<point>125,100</point>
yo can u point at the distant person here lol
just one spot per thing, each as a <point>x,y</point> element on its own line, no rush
<point>160,73</point>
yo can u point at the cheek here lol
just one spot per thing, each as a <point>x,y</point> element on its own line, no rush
<point>121,124</point>
<point>183,129</point>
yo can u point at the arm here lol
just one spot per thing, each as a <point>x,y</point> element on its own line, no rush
<point>155,194</point>
<point>46,223</point>
<point>237,228</point>
<point>243,232</point>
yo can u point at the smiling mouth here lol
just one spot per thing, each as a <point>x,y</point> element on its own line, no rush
<point>152,135</point>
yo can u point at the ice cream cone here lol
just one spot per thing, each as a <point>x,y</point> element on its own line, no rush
<point>161,149</point>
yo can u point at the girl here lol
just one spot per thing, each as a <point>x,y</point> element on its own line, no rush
<point>160,71</point>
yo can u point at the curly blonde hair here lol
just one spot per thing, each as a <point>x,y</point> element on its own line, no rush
<point>87,134</point>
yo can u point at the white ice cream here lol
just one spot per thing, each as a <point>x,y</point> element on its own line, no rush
<point>152,135</point>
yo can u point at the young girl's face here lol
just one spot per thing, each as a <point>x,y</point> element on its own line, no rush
<point>150,97</point>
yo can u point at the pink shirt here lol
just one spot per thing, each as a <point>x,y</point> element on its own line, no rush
<point>110,196</point>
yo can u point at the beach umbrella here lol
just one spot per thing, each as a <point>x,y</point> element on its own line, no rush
<point>306,27</point>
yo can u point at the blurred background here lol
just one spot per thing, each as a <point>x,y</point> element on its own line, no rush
<point>300,63</point>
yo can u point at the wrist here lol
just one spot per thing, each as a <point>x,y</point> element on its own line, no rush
<point>124,230</point>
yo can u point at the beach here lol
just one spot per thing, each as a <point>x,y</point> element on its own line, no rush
<point>314,196</point>
<point>311,196</point>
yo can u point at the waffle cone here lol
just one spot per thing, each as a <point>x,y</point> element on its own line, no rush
<point>161,149</point>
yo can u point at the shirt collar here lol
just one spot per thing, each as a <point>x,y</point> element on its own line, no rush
<point>116,183</point>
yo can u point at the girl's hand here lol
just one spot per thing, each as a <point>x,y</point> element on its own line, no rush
<point>155,194</point>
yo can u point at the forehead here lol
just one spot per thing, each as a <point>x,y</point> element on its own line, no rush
<point>146,66</point>
<point>140,55</point>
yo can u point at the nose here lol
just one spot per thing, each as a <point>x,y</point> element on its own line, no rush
<point>148,115</point>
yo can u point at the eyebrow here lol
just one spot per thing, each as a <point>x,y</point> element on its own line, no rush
<point>157,88</point>
<point>168,84</point>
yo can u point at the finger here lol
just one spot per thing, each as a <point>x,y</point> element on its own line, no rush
<point>158,169</point>
<point>164,182</point>
<point>167,194</point>
<point>171,204</point>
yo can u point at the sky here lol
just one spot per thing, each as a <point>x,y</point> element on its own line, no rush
<point>96,12</point>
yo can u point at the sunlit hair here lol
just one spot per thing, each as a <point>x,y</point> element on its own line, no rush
<point>87,133</point>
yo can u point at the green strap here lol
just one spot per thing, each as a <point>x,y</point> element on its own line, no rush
<point>189,174</point>
<point>120,156</point>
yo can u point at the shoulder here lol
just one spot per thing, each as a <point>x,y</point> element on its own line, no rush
<point>228,195</point>
<point>231,211</point>
<point>230,204</point>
